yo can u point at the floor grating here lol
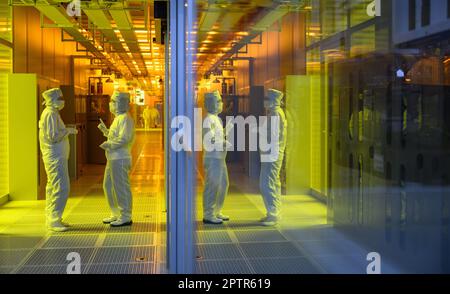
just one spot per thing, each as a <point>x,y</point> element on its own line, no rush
<point>222,267</point>
<point>124,255</point>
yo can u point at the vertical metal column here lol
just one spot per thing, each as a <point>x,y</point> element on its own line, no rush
<point>180,165</point>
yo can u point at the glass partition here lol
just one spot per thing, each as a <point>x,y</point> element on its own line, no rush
<point>363,176</point>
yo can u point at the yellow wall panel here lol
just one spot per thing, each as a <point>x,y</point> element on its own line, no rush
<point>5,69</point>
<point>298,152</point>
<point>23,139</point>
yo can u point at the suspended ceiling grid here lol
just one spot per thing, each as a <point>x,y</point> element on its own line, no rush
<point>120,33</point>
<point>225,26</point>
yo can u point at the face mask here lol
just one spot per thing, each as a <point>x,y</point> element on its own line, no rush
<point>267,104</point>
<point>112,107</point>
<point>60,104</point>
<point>219,107</point>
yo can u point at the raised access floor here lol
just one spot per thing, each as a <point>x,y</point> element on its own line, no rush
<point>303,243</point>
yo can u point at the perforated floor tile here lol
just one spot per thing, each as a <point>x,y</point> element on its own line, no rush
<point>76,241</point>
<point>33,219</point>
<point>86,218</point>
<point>79,229</point>
<point>340,264</point>
<point>240,206</point>
<point>246,225</point>
<point>123,268</point>
<point>272,249</point>
<point>25,230</point>
<point>248,215</point>
<point>218,251</point>
<point>144,217</point>
<point>313,234</point>
<point>145,239</point>
<point>222,267</point>
<point>200,226</point>
<point>91,209</point>
<point>209,237</point>
<point>136,227</point>
<point>43,270</point>
<point>124,255</point>
<point>13,257</point>
<point>296,265</point>
<point>259,236</point>
<point>333,247</point>
<point>58,256</point>
<point>12,242</point>
<point>6,270</point>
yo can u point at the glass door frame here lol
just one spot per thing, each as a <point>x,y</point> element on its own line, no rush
<point>180,173</point>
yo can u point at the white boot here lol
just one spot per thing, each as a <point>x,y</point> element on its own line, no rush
<point>57,227</point>
<point>212,221</point>
<point>109,220</point>
<point>270,221</point>
<point>223,217</point>
<point>121,223</point>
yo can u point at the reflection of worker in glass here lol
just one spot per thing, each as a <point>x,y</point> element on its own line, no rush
<point>216,173</point>
<point>54,145</point>
<point>269,182</point>
<point>116,182</point>
<point>154,116</point>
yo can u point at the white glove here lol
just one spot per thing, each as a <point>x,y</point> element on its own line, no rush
<point>72,131</point>
<point>103,129</point>
<point>105,145</point>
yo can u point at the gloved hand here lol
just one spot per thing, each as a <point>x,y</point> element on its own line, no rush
<point>105,145</point>
<point>103,129</point>
<point>72,131</point>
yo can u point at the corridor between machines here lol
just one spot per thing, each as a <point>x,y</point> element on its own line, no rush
<point>26,247</point>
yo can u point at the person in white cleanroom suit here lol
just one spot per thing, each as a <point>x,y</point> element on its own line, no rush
<point>116,182</point>
<point>147,116</point>
<point>215,167</point>
<point>269,181</point>
<point>54,145</point>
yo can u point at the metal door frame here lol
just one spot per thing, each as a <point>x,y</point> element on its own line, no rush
<point>180,166</point>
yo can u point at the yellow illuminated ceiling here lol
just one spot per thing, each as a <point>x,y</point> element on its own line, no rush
<point>223,27</point>
<point>121,33</point>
